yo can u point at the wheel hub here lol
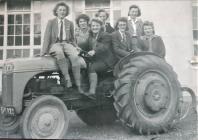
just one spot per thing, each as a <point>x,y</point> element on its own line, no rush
<point>152,93</point>
<point>45,122</point>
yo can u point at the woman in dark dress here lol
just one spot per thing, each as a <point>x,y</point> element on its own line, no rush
<point>99,48</point>
<point>151,42</point>
<point>103,16</point>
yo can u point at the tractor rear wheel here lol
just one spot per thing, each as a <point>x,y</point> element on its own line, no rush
<point>147,94</point>
<point>97,115</point>
<point>45,118</point>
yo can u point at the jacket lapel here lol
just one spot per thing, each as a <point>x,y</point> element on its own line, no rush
<point>55,27</point>
<point>67,29</point>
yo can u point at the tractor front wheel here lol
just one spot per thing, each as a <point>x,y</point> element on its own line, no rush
<point>45,118</point>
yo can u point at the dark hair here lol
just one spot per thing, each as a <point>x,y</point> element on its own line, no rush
<point>82,16</point>
<point>61,4</point>
<point>135,6</point>
<point>148,23</point>
<point>102,10</point>
<point>123,19</point>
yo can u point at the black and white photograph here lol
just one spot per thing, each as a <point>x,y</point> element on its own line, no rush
<point>99,69</point>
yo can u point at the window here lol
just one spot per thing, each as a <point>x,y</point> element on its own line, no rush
<point>36,52</point>
<point>18,53</point>
<point>1,54</point>
<point>18,30</point>
<point>21,35</point>
<point>1,30</point>
<point>195,28</point>
<point>15,5</point>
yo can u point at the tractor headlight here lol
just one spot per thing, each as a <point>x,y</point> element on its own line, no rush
<point>8,68</point>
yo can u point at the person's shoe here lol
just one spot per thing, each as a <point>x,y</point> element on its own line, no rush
<point>90,95</point>
<point>80,90</point>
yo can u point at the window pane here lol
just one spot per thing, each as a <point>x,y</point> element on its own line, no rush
<point>97,3</point>
<point>10,53</point>
<point>1,19</point>
<point>18,53</point>
<point>37,39</point>
<point>1,30</point>
<point>10,40</point>
<point>195,34</point>
<point>37,29</point>
<point>37,18</point>
<point>18,4</point>
<point>18,40</point>
<point>26,19</point>
<point>2,6</point>
<point>196,50</point>
<point>195,11</point>
<point>18,30</point>
<point>18,19</point>
<point>1,54</point>
<point>1,40</point>
<point>10,30</point>
<point>26,53</point>
<point>195,23</point>
<point>26,29</point>
<point>37,5</point>
<point>36,51</point>
<point>10,19</point>
<point>26,40</point>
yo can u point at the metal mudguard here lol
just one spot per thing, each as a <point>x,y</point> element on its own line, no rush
<point>23,70</point>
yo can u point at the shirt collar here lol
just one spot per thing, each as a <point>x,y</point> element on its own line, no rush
<point>59,20</point>
<point>136,19</point>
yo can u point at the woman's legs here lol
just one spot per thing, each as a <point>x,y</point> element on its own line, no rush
<point>95,67</point>
<point>58,52</point>
<point>72,54</point>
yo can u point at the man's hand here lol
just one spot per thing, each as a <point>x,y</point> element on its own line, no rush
<point>91,53</point>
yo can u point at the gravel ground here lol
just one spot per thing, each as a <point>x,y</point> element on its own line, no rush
<point>185,130</point>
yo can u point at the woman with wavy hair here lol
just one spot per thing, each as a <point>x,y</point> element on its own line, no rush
<point>99,48</point>
<point>134,22</point>
<point>82,31</point>
<point>151,42</point>
<point>59,40</point>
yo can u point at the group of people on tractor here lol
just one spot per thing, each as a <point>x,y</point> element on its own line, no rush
<point>104,44</point>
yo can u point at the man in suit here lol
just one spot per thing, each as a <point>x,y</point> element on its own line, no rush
<point>59,40</point>
<point>123,45</point>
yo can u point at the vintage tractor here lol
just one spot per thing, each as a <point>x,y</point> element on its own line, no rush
<point>142,91</point>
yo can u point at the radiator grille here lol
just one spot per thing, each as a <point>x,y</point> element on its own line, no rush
<point>7,85</point>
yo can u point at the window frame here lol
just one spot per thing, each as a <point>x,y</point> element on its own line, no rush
<point>22,47</point>
<point>195,42</point>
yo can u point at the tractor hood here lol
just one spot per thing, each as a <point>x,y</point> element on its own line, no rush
<point>30,64</point>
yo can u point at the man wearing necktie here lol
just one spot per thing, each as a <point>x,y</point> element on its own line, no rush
<point>59,40</point>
